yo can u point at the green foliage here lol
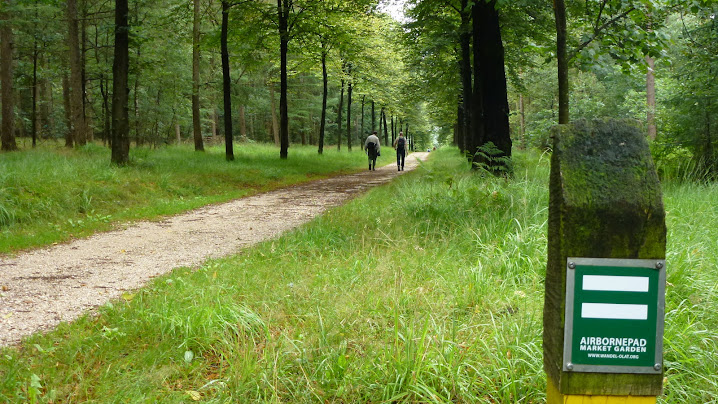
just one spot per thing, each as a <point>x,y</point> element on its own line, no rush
<point>490,159</point>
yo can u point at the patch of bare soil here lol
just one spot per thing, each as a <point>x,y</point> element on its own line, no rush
<point>42,288</point>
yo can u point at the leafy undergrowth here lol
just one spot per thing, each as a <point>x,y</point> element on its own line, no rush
<point>51,194</point>
<point>429,289</point>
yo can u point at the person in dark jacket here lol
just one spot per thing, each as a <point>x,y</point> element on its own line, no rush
<point>372,148</point>
<point>400,146</point>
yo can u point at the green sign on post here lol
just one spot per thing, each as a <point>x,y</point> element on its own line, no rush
<point>614,315</point>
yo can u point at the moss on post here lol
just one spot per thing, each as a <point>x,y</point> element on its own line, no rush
<point>605,202</point>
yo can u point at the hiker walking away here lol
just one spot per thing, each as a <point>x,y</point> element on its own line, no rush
<point>400,146</point>
<point>372,150</point>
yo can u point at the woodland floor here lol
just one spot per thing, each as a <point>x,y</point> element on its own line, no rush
<point>41,288</point>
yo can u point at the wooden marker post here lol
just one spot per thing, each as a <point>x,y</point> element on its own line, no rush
<point>605,277</point>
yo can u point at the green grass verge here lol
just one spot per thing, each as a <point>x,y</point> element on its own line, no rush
<point>52,194</point>
<point>429,289</point>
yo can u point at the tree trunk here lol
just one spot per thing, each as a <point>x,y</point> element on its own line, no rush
<point>6,78</point>
<point>393,130</point>
<point>651,99</point>
<point>361,130</point>
<point>139,141</point>
<point>106,108</point>
<point>386,132</point>
<point>471,123</point>
<point>89,130</point>
<point>559,8</point>
<point>495,104</point>
<point>349,115</point>
<point>283,7</point>
<point>46,121</point>
<point>178,133</point>
<point>121,91</point>
<point>373,117</point>
<point>325,81</point>
<point>69,140</point>
<point>215,123</point>
<point>242,122</point>
<point>76,95</point>
<point>381,114</point>
<point>522,121</point>
<point>196,119</point>
<point>460,126</point>
<point>275,121</point>
<point>339,115</point>
<point>34,93</point>
<point>226,85</point>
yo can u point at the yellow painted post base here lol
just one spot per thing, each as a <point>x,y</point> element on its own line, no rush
<point>554,396</point>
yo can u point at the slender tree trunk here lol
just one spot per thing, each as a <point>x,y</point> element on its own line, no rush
<point>178,133</point>
<point>283,7</point>
<point>559,8</point>
<point>46,122</point>
<point>69,139</point>
<point>361,131</point>
<point>139,141</point>
<point>381,115</point>
<point>121,91</point>
<point>196,119</point>
<point>242,122</point>
<point>339,115</point>
<point>275,119</point>
<point>471,125</point>
<point>76,95</point>
<point>460,126</point>
<point>106,108</point>
<point>386,132</point>
<point>6,77</point>
<point>349,115</point>
<point>88,126</point>
<point>215,123</point>
<point>651,99</point>
<point>226,85</point>
<point>406,133</point>
<point>34,93</point>
<point>325,82</point>
<point>522,121</point>
<point>651,91</point>
<point>373,117</point>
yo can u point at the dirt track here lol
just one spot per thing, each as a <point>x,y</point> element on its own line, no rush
<point>42,288</point>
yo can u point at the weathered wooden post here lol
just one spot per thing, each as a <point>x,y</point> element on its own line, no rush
<point>605,277</point>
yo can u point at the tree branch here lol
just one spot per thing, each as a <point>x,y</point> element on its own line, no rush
<point>597,32</point>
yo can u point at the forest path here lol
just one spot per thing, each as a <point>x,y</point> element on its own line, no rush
<point>41,288</point>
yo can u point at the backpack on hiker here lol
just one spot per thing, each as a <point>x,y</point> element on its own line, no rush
<point>370,146</point>
<point>400,143</point>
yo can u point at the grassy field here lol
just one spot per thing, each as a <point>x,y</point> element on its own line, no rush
<point>426,290</point>
<point>51,194</point>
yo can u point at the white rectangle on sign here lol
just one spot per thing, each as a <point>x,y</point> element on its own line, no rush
<point>614,311</point>
<point>615,283</point>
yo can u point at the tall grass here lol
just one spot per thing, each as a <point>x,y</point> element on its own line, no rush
<point>52,194</point>
<point>426,290</point>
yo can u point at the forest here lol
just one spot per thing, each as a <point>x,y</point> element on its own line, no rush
<point>329,72</point>
<point>428,286</point>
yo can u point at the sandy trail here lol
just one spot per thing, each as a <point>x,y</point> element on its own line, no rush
<point>44,287</point>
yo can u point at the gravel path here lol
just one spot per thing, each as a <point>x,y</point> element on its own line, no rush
<point>42,288</point>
